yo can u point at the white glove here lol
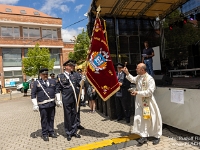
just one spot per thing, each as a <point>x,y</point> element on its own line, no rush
<point>35,105</point>
<point>82,97</point>
<point>83,78</point>
<point>58,96</point>
<point>59,103</point>
<point>35,108</point>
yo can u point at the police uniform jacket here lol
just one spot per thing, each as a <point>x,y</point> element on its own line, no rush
<point>123,92</point>
<point>38,93</point>
<point>76,78</point>
<point>63,85</point>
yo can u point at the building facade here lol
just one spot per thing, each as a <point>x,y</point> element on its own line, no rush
<point>20,29</point>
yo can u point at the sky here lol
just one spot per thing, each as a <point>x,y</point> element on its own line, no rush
<point>70,11</point>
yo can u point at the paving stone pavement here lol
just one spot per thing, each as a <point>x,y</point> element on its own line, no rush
<point>20,129</point>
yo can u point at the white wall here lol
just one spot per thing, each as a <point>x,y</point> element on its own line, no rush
<point>156,58</point>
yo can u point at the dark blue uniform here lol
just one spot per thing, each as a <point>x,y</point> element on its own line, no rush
<point>123,98</point>
<point>76,77</point>
<point>69,101</point>
<point>47,110</point>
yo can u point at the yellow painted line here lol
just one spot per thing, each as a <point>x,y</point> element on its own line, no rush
<point>108,142</point>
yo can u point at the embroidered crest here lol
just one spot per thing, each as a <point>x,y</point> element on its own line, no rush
<point>98,61</point>
<point>97,28</point>
<point>105,89</point>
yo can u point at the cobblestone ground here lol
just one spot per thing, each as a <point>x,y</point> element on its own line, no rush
<point>21,130</point>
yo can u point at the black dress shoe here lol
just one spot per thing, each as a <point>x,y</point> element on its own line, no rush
<point>156,141</point>
<point>80,127</point>
<point>45,138</point>
<point>53,135</point>
<point>141,141</point>
<point>119,119</point>
<point>69,137</point>
<point>76,135</point>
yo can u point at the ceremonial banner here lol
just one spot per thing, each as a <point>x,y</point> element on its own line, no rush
<point>100,70</point>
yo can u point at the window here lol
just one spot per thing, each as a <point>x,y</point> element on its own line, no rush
<point>12,57</point>
<point>36,13</point>
<point>16,32</point>
<point>22,11</point>
<point>31,32</point>
<point>17,73</point>
<point>25,52</point>
<point>8,10</point>
<point>6,31</point>
<point>10,31</point>
<point>25,32</point>
<point>55,53</point>
<point>34,32</point>
<point>8,74</point>
<point>49,34</point>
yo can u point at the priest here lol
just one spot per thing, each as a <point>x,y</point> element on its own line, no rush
<point>147,119</point>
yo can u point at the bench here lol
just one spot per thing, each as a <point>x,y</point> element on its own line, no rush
<point>183,70</point>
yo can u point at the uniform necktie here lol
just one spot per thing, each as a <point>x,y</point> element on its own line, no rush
<point>45,82</point>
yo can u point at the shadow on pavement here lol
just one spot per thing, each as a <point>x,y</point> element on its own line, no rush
<point>85,132</point>
<point>60,129</point>
<point>122,133</point>
<point>89,132</point>
<point>85,110</point>
<point>36,134</point>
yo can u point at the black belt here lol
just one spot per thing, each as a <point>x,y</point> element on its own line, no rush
<point>147,58</point>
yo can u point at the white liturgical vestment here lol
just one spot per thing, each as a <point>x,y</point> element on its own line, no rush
<point>146,127</point>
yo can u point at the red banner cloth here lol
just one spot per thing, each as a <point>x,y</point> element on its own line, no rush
<point>100,70</point>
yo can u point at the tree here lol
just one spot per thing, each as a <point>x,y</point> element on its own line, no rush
<point>37,58</point>
<point>82,43</point>
<point>180,36</point>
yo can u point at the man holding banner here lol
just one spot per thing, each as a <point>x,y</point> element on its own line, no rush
<point>67,85</point>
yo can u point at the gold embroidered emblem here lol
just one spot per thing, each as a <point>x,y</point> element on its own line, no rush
<point>105,89</point>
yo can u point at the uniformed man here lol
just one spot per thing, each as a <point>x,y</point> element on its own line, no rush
<point>77,76</point>
<point>52,75</point>
<point>43,98</point>
<point>123,98</point>
<point>67,85</point>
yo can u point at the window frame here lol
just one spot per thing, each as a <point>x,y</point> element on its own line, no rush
<point>12,32</point>
<point>28,32</point>
<point>52,35</point>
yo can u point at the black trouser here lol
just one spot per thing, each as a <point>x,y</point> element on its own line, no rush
<point>122,107</point>
<point>70,118</point>
<point>47,120</point>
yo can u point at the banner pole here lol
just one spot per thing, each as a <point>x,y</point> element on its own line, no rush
<point>82,83</point>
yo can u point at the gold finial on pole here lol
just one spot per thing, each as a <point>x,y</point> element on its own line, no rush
<point>98,9</point>
<point>125,64</point>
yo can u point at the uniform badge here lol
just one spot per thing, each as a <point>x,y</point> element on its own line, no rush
<point>38,85</point>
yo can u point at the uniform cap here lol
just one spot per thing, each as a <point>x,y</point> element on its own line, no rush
<point>120,65</point>
<point>52,74</point>
<point>69,62</point>
<point>44,71</point>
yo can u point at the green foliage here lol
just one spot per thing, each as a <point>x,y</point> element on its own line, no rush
<point>82,43</point>
<point>180,37</point>
<point>37,58</point>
